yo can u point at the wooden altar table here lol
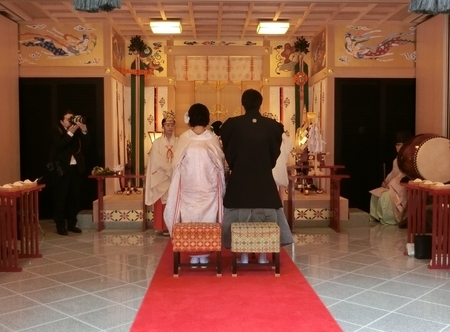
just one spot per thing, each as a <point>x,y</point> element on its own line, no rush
<point>101,193</point>
<point>19,221</point>
<point>335,190</point>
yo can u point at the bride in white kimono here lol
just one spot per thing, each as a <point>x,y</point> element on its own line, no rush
<point>198,184</point>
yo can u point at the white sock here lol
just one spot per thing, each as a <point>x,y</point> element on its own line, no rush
<point>262,258</point>
<point>195,259</point>
<point>244,258</point>
<point>204,259</point>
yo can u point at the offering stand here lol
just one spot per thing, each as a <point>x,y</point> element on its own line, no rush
<point>417,202</point>
<point>101,192</point>
<point>19,221</point>
<point>335,190</point>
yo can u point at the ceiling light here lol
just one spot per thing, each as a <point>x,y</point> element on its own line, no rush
<point>165,27</point>
<point>272,28</point>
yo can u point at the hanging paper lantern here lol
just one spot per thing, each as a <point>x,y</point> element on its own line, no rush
<point>95,6</point>
<point>432,7</point>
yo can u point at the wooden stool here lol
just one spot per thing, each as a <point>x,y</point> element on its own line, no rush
<point>255,237</point>
<point>197,237</point>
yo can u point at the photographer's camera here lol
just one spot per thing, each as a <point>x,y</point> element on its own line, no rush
<point>79,118</point>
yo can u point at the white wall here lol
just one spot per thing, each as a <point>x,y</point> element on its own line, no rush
<point>9,107</point>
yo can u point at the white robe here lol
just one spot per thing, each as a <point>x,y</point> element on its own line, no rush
<point>198,184</point>
<point>280,174</point>
<point>159,170</point>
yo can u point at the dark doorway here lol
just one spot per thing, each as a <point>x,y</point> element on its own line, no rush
<point>368,114</point>
<point>40,99</point>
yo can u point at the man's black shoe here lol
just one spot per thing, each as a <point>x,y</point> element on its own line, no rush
<point>62,232</point>
<point>75,229</point>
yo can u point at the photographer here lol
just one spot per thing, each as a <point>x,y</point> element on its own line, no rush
<point>70,139</point>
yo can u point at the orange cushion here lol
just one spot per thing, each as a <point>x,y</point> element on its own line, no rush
<point>197,236</point>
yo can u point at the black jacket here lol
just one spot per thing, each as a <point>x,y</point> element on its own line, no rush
<point>64,146</point>
<point>251,144</point>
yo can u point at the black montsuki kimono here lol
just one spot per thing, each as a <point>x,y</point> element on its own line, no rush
<point>251,144</point>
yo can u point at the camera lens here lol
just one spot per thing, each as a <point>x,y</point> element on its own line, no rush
<point>79,118</point>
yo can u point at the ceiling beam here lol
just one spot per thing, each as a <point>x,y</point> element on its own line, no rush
<point>219,20</point>
<point>392,13</point>
<point>45,11</point>
<point>363,13</point>
<point>162,12</point>
<point>192,19</point>
<point>247,19</point>
<point>75,12</point>
<point>301,20</point>
<point>144,30</point>
<point>13,8</point>
<point>278,12</point>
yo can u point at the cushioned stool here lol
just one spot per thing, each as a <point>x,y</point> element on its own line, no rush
<point>255,237</point>
<point>196,237</point>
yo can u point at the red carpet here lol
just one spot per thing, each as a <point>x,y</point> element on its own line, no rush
<point>255,300</point>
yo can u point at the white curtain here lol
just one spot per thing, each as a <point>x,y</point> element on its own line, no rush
<point>155,110</point>
<point>121,124</point>
<point>282,109</point>
<point>218,68</point>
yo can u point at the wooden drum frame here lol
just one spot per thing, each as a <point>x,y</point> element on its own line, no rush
<point>426,156</point>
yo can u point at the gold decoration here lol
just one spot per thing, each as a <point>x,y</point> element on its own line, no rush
<point>150,119</point>
<point>270,116</point>
<point>169,116</point>
<point>238,84</point>
<point>218,113</point>
<point>198,84</point>
<point>218,85</point>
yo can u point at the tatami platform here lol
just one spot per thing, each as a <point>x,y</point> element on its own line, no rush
<point>122,207</point>
<point>126,210</point>
<point>315,206</point>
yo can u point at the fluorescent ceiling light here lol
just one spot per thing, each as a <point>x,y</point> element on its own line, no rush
<point>165,27</point>
<point>272,28</point>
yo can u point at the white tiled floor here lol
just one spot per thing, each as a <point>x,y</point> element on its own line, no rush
<point>96,281</point>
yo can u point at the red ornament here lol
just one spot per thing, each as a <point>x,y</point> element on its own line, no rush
<point>300,78</point>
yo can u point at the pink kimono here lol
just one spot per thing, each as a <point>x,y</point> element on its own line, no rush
<point>198,184</point>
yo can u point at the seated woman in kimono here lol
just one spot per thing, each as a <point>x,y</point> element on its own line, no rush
<point>388,206</point>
